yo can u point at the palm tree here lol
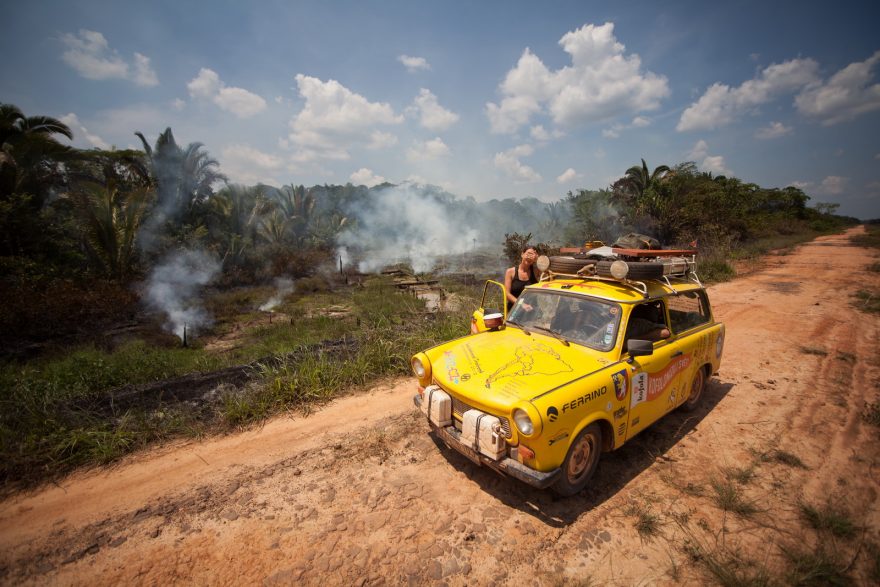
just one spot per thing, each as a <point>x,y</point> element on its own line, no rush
<point>111,219</point>
<point>297,205</point>
<point>184,178</point>
<point>640,180</point>
<point>29,152</point>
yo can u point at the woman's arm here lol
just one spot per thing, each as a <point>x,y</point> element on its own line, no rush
<point>508,282</point>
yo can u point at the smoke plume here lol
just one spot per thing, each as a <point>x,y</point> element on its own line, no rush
<point>283,288</point>
<point>173,288</point>
<point>404,223</point>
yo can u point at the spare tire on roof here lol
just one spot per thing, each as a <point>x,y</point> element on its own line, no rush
<point>637,269</point>
<point>562,264</point>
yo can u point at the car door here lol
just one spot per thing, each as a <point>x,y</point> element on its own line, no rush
<point>690,320</point>
<point>656,380</point>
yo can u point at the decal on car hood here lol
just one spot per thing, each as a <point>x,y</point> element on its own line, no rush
<point>510,365</point>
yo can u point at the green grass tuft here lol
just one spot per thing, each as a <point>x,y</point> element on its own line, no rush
<point>730,498</point>
<point>830,519</point>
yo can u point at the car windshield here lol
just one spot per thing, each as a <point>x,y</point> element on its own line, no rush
<point>586,321</point>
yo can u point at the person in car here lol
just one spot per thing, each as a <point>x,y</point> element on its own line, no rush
<point>517,278</point>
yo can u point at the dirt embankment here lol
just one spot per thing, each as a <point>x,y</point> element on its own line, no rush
<point>358,493</point>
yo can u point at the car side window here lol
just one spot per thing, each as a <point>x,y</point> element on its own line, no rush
<point>687,310</point>
<point>647,321</point>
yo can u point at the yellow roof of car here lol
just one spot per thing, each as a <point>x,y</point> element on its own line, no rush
<point>618,291</point>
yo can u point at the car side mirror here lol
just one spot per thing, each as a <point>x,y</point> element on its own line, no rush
<point>639,348</point>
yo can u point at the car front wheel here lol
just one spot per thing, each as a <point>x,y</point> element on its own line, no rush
<point>581,461</point>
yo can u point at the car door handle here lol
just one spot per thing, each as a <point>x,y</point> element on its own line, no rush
<point>677,354</point>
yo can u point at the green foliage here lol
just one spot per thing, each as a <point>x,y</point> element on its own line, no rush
<point>111,220</point>
<point>593,217</point>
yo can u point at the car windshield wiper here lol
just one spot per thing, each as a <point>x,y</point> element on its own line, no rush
<point>555,335</point>
<point>524,329</point>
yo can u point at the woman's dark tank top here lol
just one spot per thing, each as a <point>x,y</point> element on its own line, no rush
<point>517,285</point>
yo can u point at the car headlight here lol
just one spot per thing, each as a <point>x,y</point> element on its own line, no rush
<point>421,366</point>
<point>523,422</point>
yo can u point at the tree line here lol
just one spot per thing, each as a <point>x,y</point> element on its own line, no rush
<point>115,212</point>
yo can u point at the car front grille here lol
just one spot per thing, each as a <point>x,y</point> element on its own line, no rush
<point>459,408</point>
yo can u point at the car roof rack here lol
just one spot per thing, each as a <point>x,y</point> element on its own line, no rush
<point>682,270</point>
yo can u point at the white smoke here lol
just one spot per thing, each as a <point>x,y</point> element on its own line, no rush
<point>173,288</point>
<point>283,288</point>
<point>403,223</point>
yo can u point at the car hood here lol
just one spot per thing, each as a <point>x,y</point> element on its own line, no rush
<point>502,367</point>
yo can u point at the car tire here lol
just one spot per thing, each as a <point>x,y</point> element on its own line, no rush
<point>698,385</point>
<point>569,264</point>
<point>637,269</point>
<point>580,462</point>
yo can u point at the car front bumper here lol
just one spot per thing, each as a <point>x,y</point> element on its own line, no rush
<point>507,466</point>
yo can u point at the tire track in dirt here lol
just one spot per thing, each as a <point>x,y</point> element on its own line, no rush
<point>359,493</point>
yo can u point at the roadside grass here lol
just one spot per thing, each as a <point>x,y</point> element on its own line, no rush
<point>812,350</point>
<point>871,414</point>
<point>829,518</point>
<point>871,237</point>
<point>730,498</point>
<point>646,522</point>
<point>783,457</point>
<point>742,475</point>
<point>53,412</point>
<point>868,301</point>
<point>816,567</point>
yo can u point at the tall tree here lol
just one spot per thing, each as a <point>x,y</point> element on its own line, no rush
<point>29,152</point>
<point>111,219</point>
<point>184,177</point>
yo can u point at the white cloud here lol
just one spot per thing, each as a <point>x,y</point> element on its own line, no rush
<point>567,175</point>
<point>877,156</point>
<point>427,150</point>
<point>721,104</point>
<point>364,176</point>
<point>602,82</point>
<point>334,119</point>
<point>89,53</point>
<point>509,162</point>
<point>715,164</point>
<point>249,155</point>
<point>72,120</point>
<point>801,185</point>
<point>247,165</point>
<point>773,131</point>
<point>143,74</point>
<point>611,133</point>
<point>832,185</point>
<point>640,122</point>
<point>706,162</point>
<point>701,148</point>
<point>240,102</point>
<point>614,131</point>
<point>431,114</point>
<point>178,104</point>
<point>414,64</point>
<point>381,140</point>
<point>843,97</point>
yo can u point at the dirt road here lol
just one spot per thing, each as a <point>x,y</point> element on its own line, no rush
<point>358,493</point>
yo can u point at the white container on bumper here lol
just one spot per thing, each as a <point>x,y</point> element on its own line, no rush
<point>437,406</point>
<point>482,432</point>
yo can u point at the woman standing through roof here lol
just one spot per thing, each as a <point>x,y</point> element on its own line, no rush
<point>518,277</point>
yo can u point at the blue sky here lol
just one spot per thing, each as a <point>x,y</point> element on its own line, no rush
<point>487,99</point>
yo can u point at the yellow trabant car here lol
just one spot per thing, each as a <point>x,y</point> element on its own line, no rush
<point>579,366</point>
